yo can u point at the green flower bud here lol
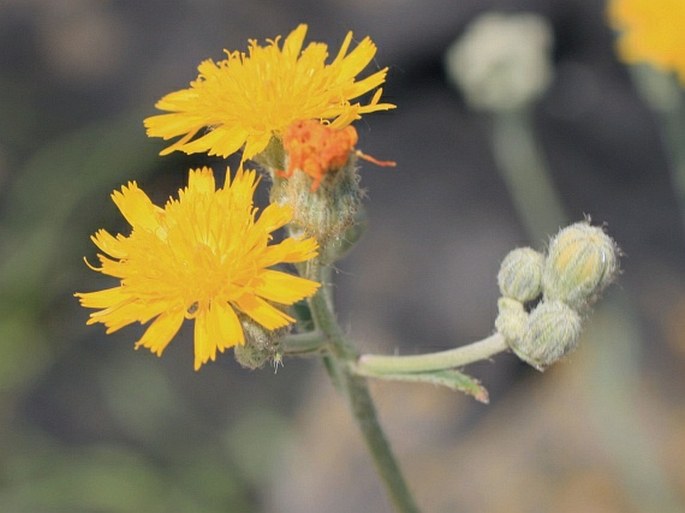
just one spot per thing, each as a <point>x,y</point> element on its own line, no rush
<point>341,246</point>
<point>327,212</point>
<point>551,332</point>
<point>261,345</point>
<point>511,319</point>
<point>520,275</point>
<point>581,261</point>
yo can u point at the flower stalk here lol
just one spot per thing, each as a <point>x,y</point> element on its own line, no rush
<point>343,355</point>
<point>525,173</point>
<point>378,365</point>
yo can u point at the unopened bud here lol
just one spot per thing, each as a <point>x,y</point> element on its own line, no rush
<point>261,345</point>
<point>511,319</point>
<point>503,61</point>
<point>551,332</point>
<point>581,261</point>
<point>520,275</point>
<point>327,212</point>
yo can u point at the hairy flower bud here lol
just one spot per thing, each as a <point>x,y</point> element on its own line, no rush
<point>326,212</point>
<point>261,345</point>
<point>581,261</point>
<point>511,319</point>
<point>520,274</point>
<point>551,332</point>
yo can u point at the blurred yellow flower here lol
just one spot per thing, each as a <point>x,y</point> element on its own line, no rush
<point>203,256</point>
<point>247,98</point>
<point>651,31</point>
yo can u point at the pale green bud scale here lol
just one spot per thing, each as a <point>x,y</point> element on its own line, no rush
<point>520,274</point>
<point>551,332</point>
<point>511,319</point>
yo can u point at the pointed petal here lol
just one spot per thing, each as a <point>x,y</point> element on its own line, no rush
<point>293,43</point>
<point>125,313</point>
<point>241,189</point>
<point>136,207</point>
<point>167,126</point>
<point>343,49</point>
<point>105,298</point>
<point>225,325</point>
<point>111,245</point>
<point>256,143</point>
<point>262,312</point>
<point>367,84</point>
<point>220,141</point>
<point>283,288</point>
<point>201,181</point>
<point>160,332</point>
<point>289,251</point>
<point>356,60</point>
<point>205,348</point>
<point>273,217</point>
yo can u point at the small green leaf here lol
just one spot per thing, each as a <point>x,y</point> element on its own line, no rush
<point>450,378</point>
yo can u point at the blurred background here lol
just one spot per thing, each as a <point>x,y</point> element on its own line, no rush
<point>87,425</point>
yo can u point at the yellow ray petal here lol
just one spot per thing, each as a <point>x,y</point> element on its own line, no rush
<point>268,316</point>
<point>125,313</point>
<point>136,207</point>
<point>256,143</point>
<point>205,347</point>
<point>105,298</point>
<point>293,43</point>
<point>273,217</point>
<point>113,246</point>
<point>201,181</point>
<point>283,288</point>
<point>290,251</point>
<point>225,325</point>
<point>160,332</point>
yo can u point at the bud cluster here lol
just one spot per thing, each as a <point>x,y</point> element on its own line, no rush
<point>544,296</point>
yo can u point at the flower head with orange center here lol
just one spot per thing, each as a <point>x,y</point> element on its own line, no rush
<point>317,149</point>
<point>247,98</point>
<point>204,256</point>
<point>651,32</point>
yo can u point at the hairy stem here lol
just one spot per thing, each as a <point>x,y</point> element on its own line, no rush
<point>356,389</point>
<point>303,344</point>
<point>371,364</point>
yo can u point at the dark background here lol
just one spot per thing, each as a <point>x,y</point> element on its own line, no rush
<point>89,425</point>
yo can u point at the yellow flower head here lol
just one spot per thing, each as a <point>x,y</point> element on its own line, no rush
<point>204,256</point>
<point>247,98</point>
<point>651,31</point>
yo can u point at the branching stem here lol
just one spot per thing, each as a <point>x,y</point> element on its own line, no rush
<point>344,355</point>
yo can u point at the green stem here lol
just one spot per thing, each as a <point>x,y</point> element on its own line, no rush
<point>303,344</point>
<point>372,364</point>
<point>345,354</point>
<point>664,95</point>
<point>525,173</point>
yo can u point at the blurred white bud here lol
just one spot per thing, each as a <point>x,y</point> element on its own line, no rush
<point>503,61</point>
